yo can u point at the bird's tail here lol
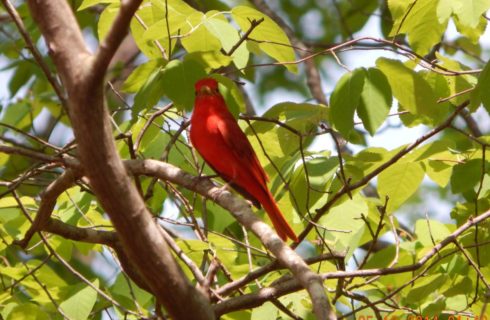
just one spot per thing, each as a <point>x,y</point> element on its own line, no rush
<point>282,227</point>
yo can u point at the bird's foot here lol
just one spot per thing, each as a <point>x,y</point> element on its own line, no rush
<point>219,191</point>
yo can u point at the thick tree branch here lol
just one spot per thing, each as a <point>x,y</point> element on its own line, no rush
<point>138,233</point>
<point>88,235</point>
<point>28,153</point>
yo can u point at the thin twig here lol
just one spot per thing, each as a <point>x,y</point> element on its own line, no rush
<point>253,24</point>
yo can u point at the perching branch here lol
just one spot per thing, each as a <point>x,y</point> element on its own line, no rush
<point>241,210</point>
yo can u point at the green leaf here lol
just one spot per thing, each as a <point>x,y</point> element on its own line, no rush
<point>439,171</point>
<point>10,202</point>
<point>211,60</point>
<point>139,28</point>
<point>425,234</point>
<point>298,303</point>
<point>131,293</point>
<point>265,311</point>
<point>346,217</point>
<point>446,8</point>
<point>460,83</point>
<point>106,20</point>
<point>90,3</point>
<point>376,99</point>
<point>466,175</point>
<point>439,85</point>
<point>461,285</point>
<point>199,39</point>
<point>80,302</point>
<point>159,25</point>
<point>411,90</point>
<point>141,74</point>
<point>27,311</point>
<point>275,42</point>
<point>23,73</point>
<point>423,288</point>
<point>159,31</point>
<point>303,117</point>
<point>178,79</point>
<point>418,22</point>
<point>469,12</point>
<point>17,115</point>
<point>434,308</point>
<point>218,218</point>
<point>439,149</point>
<point>399,182</point>
<point>345,99</point>
<point>307,192</point>
<point>472,33</point>
<point>274,148</point>
<point>150,93</point>
<point>232,95</point>
<point>228,36</point>
<point>484,86</point>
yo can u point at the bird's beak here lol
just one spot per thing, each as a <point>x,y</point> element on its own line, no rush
<point>204,91</point>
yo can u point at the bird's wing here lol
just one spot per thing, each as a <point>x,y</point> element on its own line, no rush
<point>235,186</point>
<point>238,143</point>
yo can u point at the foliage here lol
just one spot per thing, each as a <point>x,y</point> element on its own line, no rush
<point>375,209</point>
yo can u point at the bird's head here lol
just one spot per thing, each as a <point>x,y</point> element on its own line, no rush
<point>206,87</point>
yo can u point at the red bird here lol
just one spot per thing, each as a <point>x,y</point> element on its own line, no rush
<point>217,137</point>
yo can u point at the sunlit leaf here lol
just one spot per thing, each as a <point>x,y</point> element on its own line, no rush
<point>376,99</point>
<point>399,182</point>
<point>178,79</point>
<point>272,39</point>
<point>80,301</point>
<point>417,20</point>
<point>411,90</point>
<point>345,99</point>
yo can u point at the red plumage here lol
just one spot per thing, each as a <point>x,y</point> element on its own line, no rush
<point>217,137</point>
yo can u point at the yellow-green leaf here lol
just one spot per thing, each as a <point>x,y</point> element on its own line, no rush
<point>419,21</point>
<point>228,36</point>
<point>80,302</point>
<point>376,99</point>
<point>411,90</point>
<point>273,40</point>
<point>345,99</point>
<point>399,182</point>
<point>106,19</point>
